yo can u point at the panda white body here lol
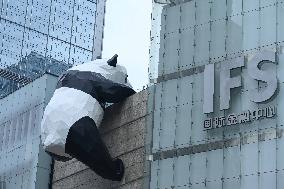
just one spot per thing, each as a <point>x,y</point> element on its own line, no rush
<point>75,111</point>
<point>65,103</point>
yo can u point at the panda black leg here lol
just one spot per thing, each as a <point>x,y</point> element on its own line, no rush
<point>85,144</point>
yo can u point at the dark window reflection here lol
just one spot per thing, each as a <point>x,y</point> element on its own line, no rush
<point>58,32</point>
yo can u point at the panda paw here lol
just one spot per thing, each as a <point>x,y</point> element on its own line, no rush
<point>119,169</point>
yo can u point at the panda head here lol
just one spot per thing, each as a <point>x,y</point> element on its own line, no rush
<point>108,68</point>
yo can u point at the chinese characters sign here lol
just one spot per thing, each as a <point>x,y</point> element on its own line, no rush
<point>255,73</point>
<point>235,119</point>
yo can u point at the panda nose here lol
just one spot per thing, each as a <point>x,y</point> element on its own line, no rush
<point>113,61</point>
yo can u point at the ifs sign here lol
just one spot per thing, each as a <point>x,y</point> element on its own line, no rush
<point>255,72</point>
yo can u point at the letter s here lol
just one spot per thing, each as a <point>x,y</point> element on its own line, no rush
<point>267,76</point>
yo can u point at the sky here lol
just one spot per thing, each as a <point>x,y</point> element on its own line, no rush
<point>127,33</point>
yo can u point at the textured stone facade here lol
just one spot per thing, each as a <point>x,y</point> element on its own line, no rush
<point>123,130</point>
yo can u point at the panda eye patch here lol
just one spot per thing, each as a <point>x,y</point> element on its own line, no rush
<point>126,78</point>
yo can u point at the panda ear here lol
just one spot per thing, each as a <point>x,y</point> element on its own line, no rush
<point>113,61</point>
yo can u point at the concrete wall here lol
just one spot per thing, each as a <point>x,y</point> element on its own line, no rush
<point>123,131</point>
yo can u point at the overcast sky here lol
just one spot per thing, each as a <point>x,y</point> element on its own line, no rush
<point>127,33</point>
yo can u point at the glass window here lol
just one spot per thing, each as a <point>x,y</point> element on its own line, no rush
<point>232,162</point>
<point>202,11</point>
<point>58,50</point>
<point>7,134</point>
<point>166,173</point>
<point>61,19</point>
<point>268,180</point>
<point>83,24</point>
<point>11,42</point>
<point>38,12</point>
<point>156,131</point>
<point>267,156</point>
<point>171,53</point>
<point>280,23</point>
<point>280,180</point>
<point>185,90</point>
<point>198,134</point>
<point>268,25</point>
<point>234,7</point>
<point>79,55</point>
<point>154,174</point>
<point>188,14</point>
<point>202,36</point>
<point>215,164</point>
<point>251,30</point>
<point>250,5</point>
<point>168,126</point>
<point>170,94</point>
<point>249,159</point>
<point>173,19</point>
<point>280,65</point>
<point>186,48</point>
<point>198,168</point>
<point>183,128</point>
<point>280,154</point>
<point>235,38</point>
<point>14,11</point>
<point>265,3</point>
<point>34,42</point>
<point>1,138</point>
<point>249,182</point>
<point>181,171</point>
<point>218,36</point>
<point>214,184</point>
<point>218,10</point>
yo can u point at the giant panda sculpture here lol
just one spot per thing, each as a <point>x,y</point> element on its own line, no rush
<point>69,127</point>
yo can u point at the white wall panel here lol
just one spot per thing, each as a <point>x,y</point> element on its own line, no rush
<point>215,160</point>
<point>249,159</point>
<point>280,180</point>
<point>232,162</point>
<point>268,25</point>
<point>280,25</point>
<point>183,127</point>
<point>233,183</point>
<point>186,49</point>
<point>250,30</point>
<point>202,38</point>
<point>267,156</point>
<point>198,168</point>
<point>171,53</point>
<point>167,133</point>
<point>156,131</point>
<point>249,182</point>
<point>181,172</point>
<point>166,173</point>
<point>154,175</point>
<point>214,184</point>
<point>187,15</point>
<point>268,180</point>
<point>173,19</point>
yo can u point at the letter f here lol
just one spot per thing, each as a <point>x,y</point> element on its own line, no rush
<point>227,83</point>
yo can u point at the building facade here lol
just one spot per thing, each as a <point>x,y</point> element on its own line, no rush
<point>61,29</point>
<point>215,109</point>
<point>66,31</point>
<point>23,162</point>
<point>217,122</point>
<point>39,40</point>
<point>14,77</point>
